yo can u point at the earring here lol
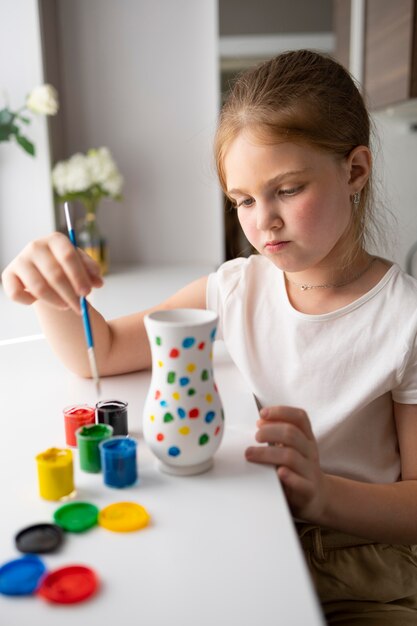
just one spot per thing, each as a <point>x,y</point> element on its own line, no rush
<point>356,198</point>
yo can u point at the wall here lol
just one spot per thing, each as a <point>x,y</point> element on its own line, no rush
<point>142,79</point>
<point>26,207</point>
<point>396,163</point>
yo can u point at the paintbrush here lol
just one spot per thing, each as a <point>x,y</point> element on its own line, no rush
<point>84,311</point>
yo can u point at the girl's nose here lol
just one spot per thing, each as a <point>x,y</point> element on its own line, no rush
<point>267,217</point>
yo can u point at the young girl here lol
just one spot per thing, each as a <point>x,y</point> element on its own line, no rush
<point>324,332</point>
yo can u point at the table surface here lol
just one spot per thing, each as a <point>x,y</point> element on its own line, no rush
<point>221,547</point>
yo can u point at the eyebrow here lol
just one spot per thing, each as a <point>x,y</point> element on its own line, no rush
<point>276,179</point>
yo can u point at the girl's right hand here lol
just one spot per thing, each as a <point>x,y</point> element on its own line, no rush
<point>51,270</point>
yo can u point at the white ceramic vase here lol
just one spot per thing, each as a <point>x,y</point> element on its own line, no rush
<point>183,418</point>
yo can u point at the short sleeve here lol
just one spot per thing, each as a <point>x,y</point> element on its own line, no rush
<point>212,300</point>
<point>406,391</point>
<point>220,285</point>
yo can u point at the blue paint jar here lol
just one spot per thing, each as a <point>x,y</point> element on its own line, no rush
<point>118,461</point>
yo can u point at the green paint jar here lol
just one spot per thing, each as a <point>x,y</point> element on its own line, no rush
<point>88,439</point>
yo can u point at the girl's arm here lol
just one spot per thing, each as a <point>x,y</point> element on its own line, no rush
<point>53,275</point>
<point>383,512</point>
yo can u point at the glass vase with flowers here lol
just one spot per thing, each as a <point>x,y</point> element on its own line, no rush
<point>88,178</point>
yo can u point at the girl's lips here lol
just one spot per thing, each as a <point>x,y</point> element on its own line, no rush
<point>275,246</point>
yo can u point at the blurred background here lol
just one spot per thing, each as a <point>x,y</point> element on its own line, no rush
<point>146,78</point>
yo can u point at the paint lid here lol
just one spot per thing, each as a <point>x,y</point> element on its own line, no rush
<point>68,585</point>
<point>122,517</point>
<point>75,517</point>
<point>39,538</point>
<point>20,577</point>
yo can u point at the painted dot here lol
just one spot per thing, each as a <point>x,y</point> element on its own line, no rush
<point>209,397</point>
<point>204,375</point>
<point>190,367</point>
<point>174,451</point>
<point>216,432</point>
<point>171,377</point>
<point>152,418</point>
<point>160,437</point>
<point>201,345</point>
<point>191,392</point>
<point>188,342</point>
<point>158,341</point>
<point>210,416</point>
<point>176,395</point>
<point>222,412</point>
<point>157,394</point>
<point>184,381</point>
<point>203,439</point>
<point>215,387</point>
<point>160,364</point>
<point>213,334</point>
<point>181,413</point>
<point>184,430</point>
<point>168,417</point>
<point>211,355</point>
<point>194,413</point>
<point>163,403</point>
<point>174,353</point>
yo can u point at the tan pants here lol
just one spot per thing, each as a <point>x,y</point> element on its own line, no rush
<point>360,582</point>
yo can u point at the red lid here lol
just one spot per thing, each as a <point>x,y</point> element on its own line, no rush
<point>68,585</point>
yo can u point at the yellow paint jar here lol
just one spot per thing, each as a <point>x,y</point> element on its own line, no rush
<point>55,473</point>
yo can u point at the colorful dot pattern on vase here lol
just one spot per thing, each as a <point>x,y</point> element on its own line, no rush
<point>184,407</point>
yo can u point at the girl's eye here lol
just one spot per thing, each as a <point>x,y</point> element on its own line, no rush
<point>246,203</point>
<point>290,192</point>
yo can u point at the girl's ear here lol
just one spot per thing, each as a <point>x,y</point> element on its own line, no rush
<point>359,163</point>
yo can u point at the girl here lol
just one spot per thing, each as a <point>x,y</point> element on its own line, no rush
<point>324,332</point>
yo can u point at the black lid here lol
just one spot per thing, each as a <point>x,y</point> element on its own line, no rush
<point>39,538</point>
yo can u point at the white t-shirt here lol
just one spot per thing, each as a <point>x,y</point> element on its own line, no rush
<point>344,368</point>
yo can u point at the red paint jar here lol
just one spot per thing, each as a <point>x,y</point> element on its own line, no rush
<point>76,416</point>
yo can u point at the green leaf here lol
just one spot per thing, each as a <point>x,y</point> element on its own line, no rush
<point>25,120</point>
<point>26,144</point>
<point>6,117</point>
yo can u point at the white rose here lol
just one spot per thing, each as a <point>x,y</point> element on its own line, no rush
<point>43,99</point>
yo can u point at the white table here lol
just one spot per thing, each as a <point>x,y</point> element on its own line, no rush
<point>221,549</point>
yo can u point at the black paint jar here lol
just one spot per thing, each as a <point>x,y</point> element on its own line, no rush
<point>113,413</point>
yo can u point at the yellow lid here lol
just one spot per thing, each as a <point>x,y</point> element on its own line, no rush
<point>123,517</point>
<point>55,457</point>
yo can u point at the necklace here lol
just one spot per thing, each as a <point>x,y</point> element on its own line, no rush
<point>306,286</point>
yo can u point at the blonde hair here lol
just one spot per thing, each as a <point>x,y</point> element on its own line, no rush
<point>303,97</point>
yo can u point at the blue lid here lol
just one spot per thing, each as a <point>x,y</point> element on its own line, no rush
<point>21,576</point>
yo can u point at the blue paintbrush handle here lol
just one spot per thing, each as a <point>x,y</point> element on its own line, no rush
<point>83,301</point>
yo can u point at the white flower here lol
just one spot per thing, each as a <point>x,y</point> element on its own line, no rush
<point>43,99</point>
<point>91,176</point>
<point>104,172</point>
<point>72,175</point>
<point>113,185</point>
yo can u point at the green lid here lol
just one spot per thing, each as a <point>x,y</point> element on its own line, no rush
<point>75,517</point>
<point>95,431</point>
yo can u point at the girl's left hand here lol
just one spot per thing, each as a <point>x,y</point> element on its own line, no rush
<point>293,450</point>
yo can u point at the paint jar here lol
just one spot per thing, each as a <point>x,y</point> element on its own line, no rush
<point>88,439</point>
<point>114,413</point>
<point>118,461</point>
<point>55,473</point>
<point>76,416</point>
